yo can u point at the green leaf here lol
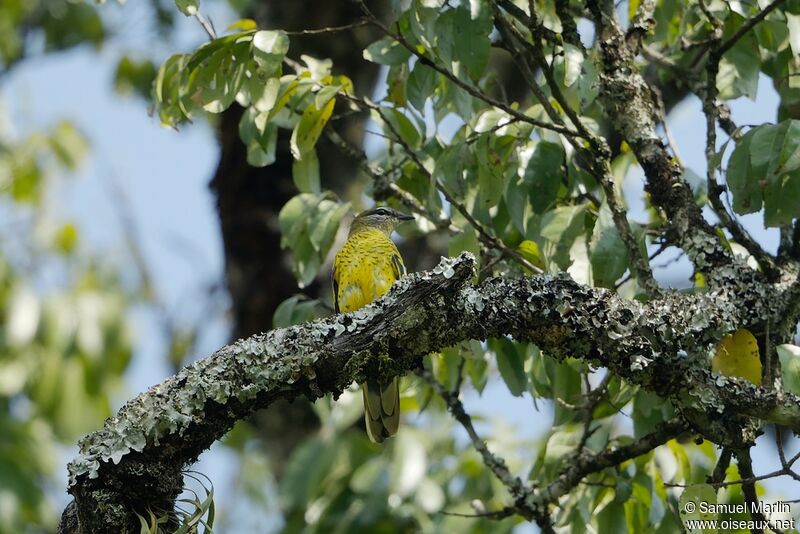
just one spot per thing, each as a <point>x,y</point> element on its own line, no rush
<point>466,241</point>
<point>269,49</point>
<point>511,365</point>
<point>793,24</point>
<point>449,169</point>
<point>618,393</point>
<point>305,472</point>
<point>463,41</point>
<point>649,410</point>
<point>325,223</point>
<point>243,25</point>
<point>476,365</point>
<point>773,35</point>
<point>66,239</point>
<point>396,84</point>
<point>765,166</point>
<point>309,128</point>
<point>420,85</point>
<point>560,227</point>
<point>609,256</point>
<point>515,198</point>
<point>324,95</point>
<point>743,184</point>
<point>559,446</point>
<point>133,76</point>
<point>293,217</point>
<point>611,518</point>
<point>689,505</point>
<point>573,61</point>
<point>188,7</point>
<point>566,386</point>
<point>305,173</point>
<point>167,90</point>
<point>68,144</point>
<point>446,366</point>
<point>789,356</point>
<point>264,95</point>
<point>259,136</point>
<point>455,100</point>
<point>295,310</point>
<point>543,174</point>
<point>740,66</point>
<point>401,125</point>
<point>493,154</point>
<point>530,251</point>
<point>386,51</point>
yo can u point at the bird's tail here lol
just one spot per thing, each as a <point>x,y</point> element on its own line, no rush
<point>381,408</point>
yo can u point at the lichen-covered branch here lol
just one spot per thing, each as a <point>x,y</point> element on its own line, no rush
<point>596,153</point>
<point>711,110</point>
<point>624,94</point>
<point>135,460</point>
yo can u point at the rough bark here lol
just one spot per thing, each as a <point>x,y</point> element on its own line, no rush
<point>135,460</point>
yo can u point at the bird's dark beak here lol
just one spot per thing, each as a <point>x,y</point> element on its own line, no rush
<point>404,217</point>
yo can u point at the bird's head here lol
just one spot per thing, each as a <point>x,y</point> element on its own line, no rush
<point>383,218</point>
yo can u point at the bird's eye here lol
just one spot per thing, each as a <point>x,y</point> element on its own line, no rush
<point>381,211</point>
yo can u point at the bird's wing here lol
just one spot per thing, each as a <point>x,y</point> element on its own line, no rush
<point>335,290</point>
<point>398,268</point>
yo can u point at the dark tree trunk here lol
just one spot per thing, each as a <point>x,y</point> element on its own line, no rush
<point>258,272</point>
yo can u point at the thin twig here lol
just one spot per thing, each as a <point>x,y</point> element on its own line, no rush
<point>332,29</point>
<point>496,464</point>
<point>714,188</point>
<point>661,109</point>
<point>747,26</point>
<point>495,514</point>
<point>749,490</point>
<point>598,152</point>
<point>721,469</point>
<point>384,184</point>
<point>585,465</point>
<point>483,234</point>
<point>207,25</point>
<point>425,60</point>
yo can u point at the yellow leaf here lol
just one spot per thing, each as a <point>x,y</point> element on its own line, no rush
<point>244,25</point>
<point>699,280</point>
<point>737,355</point>
<point>530,251</point>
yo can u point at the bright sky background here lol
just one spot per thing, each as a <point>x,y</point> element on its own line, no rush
<point>164,175</point>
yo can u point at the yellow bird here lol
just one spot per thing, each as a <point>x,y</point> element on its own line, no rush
<point>364,269</point>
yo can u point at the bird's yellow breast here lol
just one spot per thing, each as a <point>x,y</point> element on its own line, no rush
<point>364,269</point>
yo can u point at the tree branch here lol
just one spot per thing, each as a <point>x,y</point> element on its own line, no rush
<point>624,96</point>
<point>711,111</point>
<point>497,465</point>
<point>747,26</point>
<point>476,93</point>
<point>596,154</point>
<point>584,465</point>
<point>660,345</point>
<point>749,490</point>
